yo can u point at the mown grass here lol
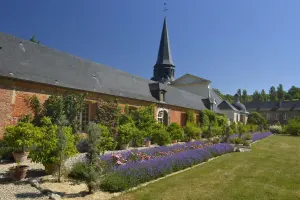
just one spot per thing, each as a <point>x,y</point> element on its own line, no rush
<point>270,171</point>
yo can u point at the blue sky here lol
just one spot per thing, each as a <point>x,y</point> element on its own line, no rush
<point>244,44</point>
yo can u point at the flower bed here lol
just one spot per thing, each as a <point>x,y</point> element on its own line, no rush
<point>151,153</point>
<point>259,136</point>
<point>132,174</point>
<point>255,136</point>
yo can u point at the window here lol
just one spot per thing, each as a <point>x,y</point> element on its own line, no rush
<point>163,117</point>
<point>268,116</point>
<point>285,116</point>
<point>161,95</point>
<point>160,116</point>
<point>84,117</point>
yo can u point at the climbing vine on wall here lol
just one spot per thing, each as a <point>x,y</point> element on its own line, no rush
<point>108,113</point>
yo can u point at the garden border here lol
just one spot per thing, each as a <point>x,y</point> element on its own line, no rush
<point>55,196</point>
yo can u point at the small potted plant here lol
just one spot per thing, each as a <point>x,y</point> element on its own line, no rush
<point>20,138</point>
<point>49,149</point>
<point>176,132</point>
<point>125,135</point>
<point>18,172</point>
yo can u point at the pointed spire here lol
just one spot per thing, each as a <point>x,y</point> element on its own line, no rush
<point>164,52</point>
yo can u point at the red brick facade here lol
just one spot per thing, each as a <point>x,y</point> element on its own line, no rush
<point>14,98</point>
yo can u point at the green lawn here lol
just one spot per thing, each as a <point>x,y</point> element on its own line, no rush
<point>270,171</point>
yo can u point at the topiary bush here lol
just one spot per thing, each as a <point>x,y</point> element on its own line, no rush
<point>247,136</point>
<point>176,132</point>
<point>126,133</point>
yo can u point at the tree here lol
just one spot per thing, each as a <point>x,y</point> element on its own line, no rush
<point>273,94</point>
<point>256,96</point>
<point>263,95</point>
<point>280,92</point>
<point>293,93</point>
<point>239,92</point>
<point>245,96</point>
<point>256,118</point>
<point>32,39</point>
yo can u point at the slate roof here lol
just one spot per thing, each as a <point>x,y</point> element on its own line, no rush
<point>197,79</point>
<point>225,105</point>
<point>28,61</point>
<point>271,105</point>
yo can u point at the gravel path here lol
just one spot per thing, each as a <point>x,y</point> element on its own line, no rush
<point>11,190</point>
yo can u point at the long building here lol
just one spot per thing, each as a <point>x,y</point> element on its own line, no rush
<point>28,69</point>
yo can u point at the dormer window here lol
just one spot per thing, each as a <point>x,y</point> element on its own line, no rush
<point>162,95</point>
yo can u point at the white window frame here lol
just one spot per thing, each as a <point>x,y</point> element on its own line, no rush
<point>160,115</point>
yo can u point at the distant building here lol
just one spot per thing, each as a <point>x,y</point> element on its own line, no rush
<point>28,68</point>
<point>275,112</point>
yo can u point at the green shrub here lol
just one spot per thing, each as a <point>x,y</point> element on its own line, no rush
<point>91,171</point>
<point>20,137</point>
<point>208,117</point>
<point>233,128</point>
<point>248,136</point>
<point>257,119</point>
<point>245,143</point>
<point>190,116</point>
<point>47,143</point>
<point>5,151</point>
<point>126,133</point>
<point>159,135</point>
<point>139,138</point>
<point>275,129</point>
<point>292,127</point>
<point>107,141</point>
<point>236,140</point>
<point>114,182</point>
<point>89,174</point>
<point>191,131</point>
<point>212,131</point>
<point>175,131</point>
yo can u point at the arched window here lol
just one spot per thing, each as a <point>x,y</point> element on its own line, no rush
<point>163,117</point>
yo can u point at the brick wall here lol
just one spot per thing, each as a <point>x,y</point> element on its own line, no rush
<point>15,95</point>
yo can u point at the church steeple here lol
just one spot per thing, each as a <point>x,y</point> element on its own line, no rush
<point>164,68</point>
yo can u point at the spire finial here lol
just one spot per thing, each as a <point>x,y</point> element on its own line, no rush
<point>165,9</point>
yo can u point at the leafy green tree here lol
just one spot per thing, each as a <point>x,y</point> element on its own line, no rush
<point>280,92</point>
<point>293,93</point>
<point>256,118</point>
<point>273,94</point>
<point>244,96</point>
<point>263,95</point>
<point>239,92</point>
<point>256,96</point>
